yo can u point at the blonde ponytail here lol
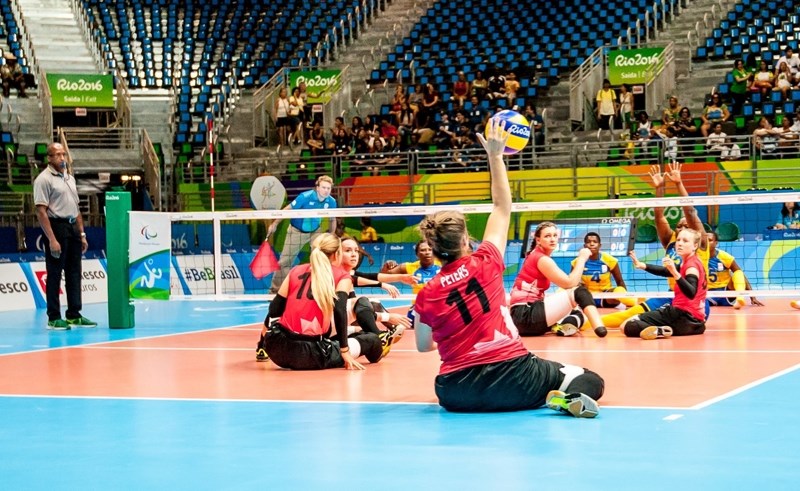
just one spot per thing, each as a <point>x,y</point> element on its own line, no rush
<point>324,248</point>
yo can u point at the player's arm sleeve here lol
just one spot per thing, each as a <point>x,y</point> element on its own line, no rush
<point>340,317</point>
<point>276,308</point>
<point>688,285</point>
<point>657,270</point>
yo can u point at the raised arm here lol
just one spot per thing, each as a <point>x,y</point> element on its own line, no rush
<point>561,279</point>
<point>662,225</point>
<point>689,211</point>
<point>496,230</point>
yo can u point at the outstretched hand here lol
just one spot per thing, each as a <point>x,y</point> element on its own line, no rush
<point>656,176</point>
<point>636,263</point>
<point>674,172</point>
<point>495,140</point>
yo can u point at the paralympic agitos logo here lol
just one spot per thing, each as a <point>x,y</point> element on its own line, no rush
<point>147,234</point>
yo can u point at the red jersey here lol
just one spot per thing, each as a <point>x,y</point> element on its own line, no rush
<point>465,306</point>
<point>531,283</point>
<point>302,314</point>
<point>695,306</point>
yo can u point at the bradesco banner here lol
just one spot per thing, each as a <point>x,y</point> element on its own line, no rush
<point>15,292</point>
<point>149,255</point>
<point>94,283</point>
<point>320,84</point>
<point>81,90</point>
<point>629,66</point>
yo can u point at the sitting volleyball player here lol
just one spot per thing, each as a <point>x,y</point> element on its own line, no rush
<point>685,316</point>
<point>562,312</point>
<point>667,237</point>
<point>463,313</point>
<point>598,271</point>
<point>310,300</point>
<point>361,311</point>
<point>423,269</point>
<point>724,275</point>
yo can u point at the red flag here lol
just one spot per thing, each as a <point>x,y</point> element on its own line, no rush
<point>264,262</point>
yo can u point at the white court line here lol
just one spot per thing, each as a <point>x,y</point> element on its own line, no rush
<point>673,417</point>
<point>395,350</point>
<point>745,387</point>
<point>101,343</point>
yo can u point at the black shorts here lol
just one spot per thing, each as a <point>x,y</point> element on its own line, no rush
<point>511,385</point>
<point>287,349</point>
<point>681,322</point>
<point>283,122</point>
<point>530,319</point>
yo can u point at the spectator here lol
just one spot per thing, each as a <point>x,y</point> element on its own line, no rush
<point>789,216</point>
<point>762,80</point>
<point>670,142</point>
<point>340,138</point>
<point>280,115</point>
<point>59,213</point>
<point>407,123</point>
<point>718,144</point>
<point>741,79</point>
<point>415,99</point>
<point>461,89</point>
<point>446,133</point>
<point>302,230</point>
<point>398,100</point>
<point>788,138</point>
<point>12,76</point>
<point>766,136</point>
<point>626,106</point>
<point>475,114</point>
<point>715,112</point>
<point>792,60</point>
<point>295,117</point>
<point>390,135</point>
<point>430,104</point>
<point>644,131</point>
<point>479,86</point>
<point>671,114</point>
<point>316,139</point>
<point>512,87</point>
<point>497,86</point>
<point>607,106</point>
<point>784,80</point>
<point>537,126</point>
<point>368,233</point>
<point>685,126</point>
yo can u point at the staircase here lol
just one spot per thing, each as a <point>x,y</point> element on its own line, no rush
<point>693,80</point>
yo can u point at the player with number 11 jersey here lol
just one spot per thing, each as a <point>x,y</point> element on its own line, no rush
<point>468,296</point>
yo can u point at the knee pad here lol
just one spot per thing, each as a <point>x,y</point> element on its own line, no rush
<point>370,346</point>
<point>583,297</point>
<point>576,318</point>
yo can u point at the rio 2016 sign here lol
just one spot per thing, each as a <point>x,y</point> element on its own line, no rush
<point>630,66</point>
<point>81,90</point>
<point>320,84</point>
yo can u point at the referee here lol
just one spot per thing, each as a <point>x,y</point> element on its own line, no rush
<point>59,214</point>
<point>302,230</point>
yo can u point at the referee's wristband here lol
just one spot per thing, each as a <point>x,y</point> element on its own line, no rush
<point>83,235</point>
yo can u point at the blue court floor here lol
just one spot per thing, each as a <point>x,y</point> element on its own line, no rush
<point>62,438</point>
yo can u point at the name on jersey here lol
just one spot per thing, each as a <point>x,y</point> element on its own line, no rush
<point>458,275</point>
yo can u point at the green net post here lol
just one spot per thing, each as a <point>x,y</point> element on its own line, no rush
<point>120,308</point>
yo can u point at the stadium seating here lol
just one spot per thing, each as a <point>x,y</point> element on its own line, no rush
<point>195,46</point>
<point>544,40</point>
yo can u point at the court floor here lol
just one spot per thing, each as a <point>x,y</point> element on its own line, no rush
<point>179,402</point>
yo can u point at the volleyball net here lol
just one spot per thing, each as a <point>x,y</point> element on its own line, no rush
<point>211,253</point>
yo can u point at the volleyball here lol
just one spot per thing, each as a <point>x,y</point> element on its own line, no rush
<point>519,128</point>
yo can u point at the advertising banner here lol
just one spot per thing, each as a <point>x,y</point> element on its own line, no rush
<point>194,275</point>
<point>149,255</point>
<point>15,292</point>
<point>81,90</point>
<point>93,282</point>
<point>629,66</point>
<point>320,84</point>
